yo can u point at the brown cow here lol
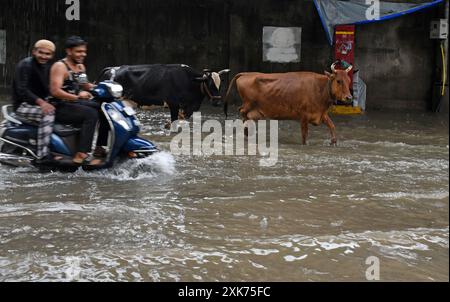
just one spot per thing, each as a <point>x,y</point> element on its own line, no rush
<point>304,96</point>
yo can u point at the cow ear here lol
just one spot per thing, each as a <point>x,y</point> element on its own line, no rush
<point>216,79</point>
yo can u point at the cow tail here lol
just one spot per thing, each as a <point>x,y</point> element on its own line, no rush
<point>225,103</point>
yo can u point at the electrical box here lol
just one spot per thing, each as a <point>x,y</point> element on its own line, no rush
<point>439,29</point>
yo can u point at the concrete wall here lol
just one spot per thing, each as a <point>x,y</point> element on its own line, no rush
<point>396,58</point>
<point>121,32</point>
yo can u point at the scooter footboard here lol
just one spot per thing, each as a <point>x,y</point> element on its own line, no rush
<point>139,146</point>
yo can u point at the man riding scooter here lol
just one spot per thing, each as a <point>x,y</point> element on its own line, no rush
<point>73,105</point>
<point>70,87</point>
<point>30,93</point>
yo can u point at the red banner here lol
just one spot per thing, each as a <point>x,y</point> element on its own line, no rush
<point>345,45</point>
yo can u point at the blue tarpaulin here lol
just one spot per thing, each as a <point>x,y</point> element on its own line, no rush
<point>337,12</point>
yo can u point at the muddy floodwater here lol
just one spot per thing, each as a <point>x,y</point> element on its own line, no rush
<point>317,215</point>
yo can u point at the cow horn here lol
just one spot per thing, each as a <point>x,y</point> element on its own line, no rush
<point>224,71</point>
<point>333,67</point>
<point>203,78</point>
<point>349,69</point>
<point>113,74</point>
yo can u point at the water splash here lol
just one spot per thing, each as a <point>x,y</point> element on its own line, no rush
<point>159,164</point>
<point>162,163</point>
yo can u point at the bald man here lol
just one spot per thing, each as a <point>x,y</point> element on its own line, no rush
<point>30,93</point>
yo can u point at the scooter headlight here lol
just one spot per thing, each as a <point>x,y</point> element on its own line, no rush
<point>118,118</point>
<point>116,90</point>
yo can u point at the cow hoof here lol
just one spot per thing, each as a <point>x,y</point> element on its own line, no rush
<point>334,142</point>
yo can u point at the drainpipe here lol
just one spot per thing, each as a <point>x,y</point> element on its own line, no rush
<point>443,50</point>
<point>445,99</point>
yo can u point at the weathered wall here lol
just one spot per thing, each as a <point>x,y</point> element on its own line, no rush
<point>121,32</point>
<point>396,58</point>
<point>247,21</point>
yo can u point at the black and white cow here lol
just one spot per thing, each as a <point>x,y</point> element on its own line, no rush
<point>180,86</point>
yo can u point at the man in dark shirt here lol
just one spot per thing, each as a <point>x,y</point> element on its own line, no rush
<point>31,90</point>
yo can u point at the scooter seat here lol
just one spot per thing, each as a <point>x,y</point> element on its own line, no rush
<point>65,130</point>
<point>58,129</point>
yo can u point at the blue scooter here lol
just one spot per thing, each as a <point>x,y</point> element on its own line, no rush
<point>18,136</point>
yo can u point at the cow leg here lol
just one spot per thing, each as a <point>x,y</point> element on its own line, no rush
<point>244,110</point>
<point>188,113</point>
<point>243,113</point>
<point>245,120</point>
<point>254,115</point>
<point>181,115</point>
<point>327,121</point>
<point>174,111</point>
<point>304,131</point>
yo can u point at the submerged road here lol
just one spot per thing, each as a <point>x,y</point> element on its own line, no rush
<point>315,216</point>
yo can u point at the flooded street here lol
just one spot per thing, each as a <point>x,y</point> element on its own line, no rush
<point>315,216</point>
